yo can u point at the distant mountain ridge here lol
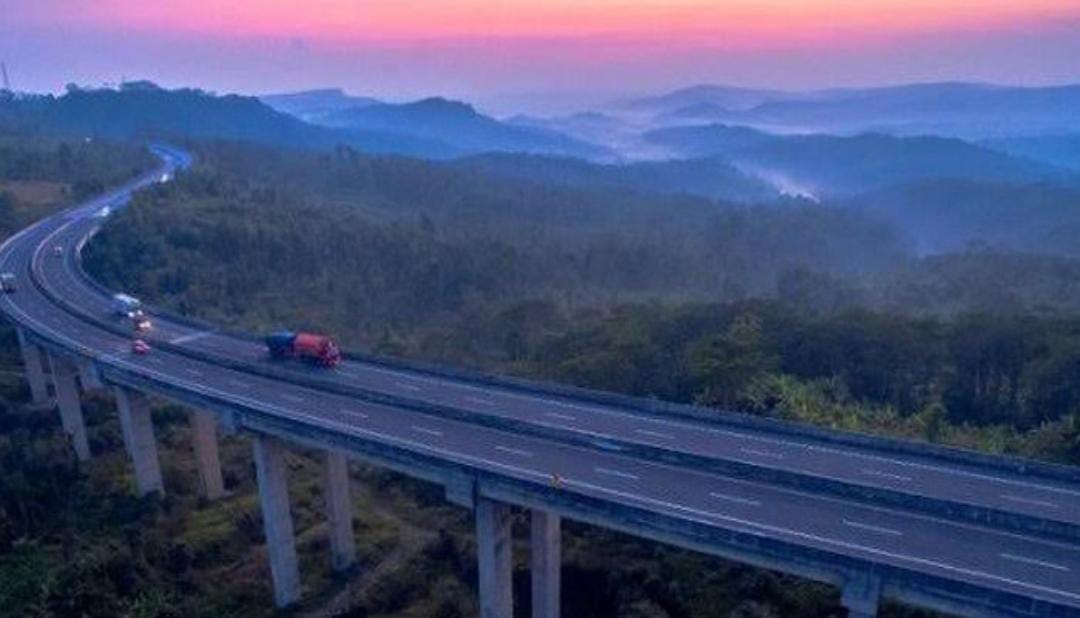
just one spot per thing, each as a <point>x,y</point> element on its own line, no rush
<point>954,109</point>
<point>460,126</point>
<point>707,141</point>
<point>432,128</point>
<point>726,97</point>
<point>309,105</point>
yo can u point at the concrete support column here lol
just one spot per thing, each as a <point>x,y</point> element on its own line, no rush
<point>89,377</point>
<point>861,596</point>
<point>67,399</point>
<point>494,559</point>
<point>204,441</point>
<point>339,510</point>
<point>35,369</point>
<point>277,520</point>
<point>138,428</point>
<point>545,557</point>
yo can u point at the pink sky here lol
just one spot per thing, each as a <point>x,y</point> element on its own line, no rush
<point>484,49</point>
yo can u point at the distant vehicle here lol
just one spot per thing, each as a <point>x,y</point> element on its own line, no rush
<point>7,282</point>
<point>316,349</point>
<point>58,251</point>
<point>140,347</point>
<point>140,321</point>
<point>126,306</point>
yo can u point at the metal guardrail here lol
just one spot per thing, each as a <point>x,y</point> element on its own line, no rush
<point>666,410</point>
<point>808,482</point>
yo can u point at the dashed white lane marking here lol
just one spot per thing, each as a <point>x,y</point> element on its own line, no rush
<point>887,475</point>
<point>191,337</point>
<point>480,401</point>
<point>759,453</point>
<point>735,499</point>
<point>1033,561</point>
<point>561,417</point>
<point>846,452</point>
<point>293,398</point>
<point>872,528</point>
<point>513,451</point>
<point>655,434</point>
<point>616,473</point>
<point>408,387</point>
<point>430,432</point>
<point>1031,501</point>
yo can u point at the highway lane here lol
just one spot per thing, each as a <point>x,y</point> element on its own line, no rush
<point>1029,566</point>
<point>857,466</point>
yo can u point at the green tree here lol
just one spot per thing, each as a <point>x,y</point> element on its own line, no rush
<point>725,365</point>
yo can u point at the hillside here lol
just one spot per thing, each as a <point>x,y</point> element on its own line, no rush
<point>948,215</point>
<point>1061,150</point>
<point>827,166</point>
<point>840,165</point>
<point>460,126</point>
<point>791,341</point>
<point>714,178</point>
<point>142,110</point>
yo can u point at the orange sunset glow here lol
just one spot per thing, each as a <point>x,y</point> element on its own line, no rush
<point>470,47</point>
<point>427,19</point>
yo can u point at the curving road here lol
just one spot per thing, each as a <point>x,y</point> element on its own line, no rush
<point>590,445</point>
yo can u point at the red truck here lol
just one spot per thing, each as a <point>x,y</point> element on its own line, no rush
<point>316,349</point>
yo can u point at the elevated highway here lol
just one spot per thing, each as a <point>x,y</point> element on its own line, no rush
<point>942,528</point>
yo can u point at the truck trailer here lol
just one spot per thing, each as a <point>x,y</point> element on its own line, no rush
<point>125,305</point>
<point>315,349</point>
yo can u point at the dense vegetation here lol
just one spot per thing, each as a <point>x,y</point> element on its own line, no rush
<point>371,242</point>
<point>806,312</point>
<point>624,291</point>
<point>38,172</point>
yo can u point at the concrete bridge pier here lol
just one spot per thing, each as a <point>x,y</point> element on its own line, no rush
<point>545,557</point>
<point>138,429</point>
<point>862,596</point>
<point>494,559</point>
<point>277,519</point>
<point>339,510</point>
<point>89,377</point>
<point>35,369</point>
<point>205,444</point>
<point>67,399</point>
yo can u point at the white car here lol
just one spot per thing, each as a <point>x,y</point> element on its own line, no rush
<point>7,282</point>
